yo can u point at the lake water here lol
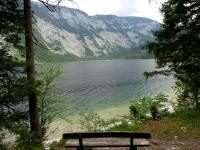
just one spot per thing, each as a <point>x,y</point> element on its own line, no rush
<point>100,85</point>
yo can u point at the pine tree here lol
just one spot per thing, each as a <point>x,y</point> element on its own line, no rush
<point>176,46</point>
<point>30,69</point>
<point>12,75</point>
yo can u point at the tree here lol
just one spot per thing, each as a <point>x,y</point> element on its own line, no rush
<point>176,46</point>
<point>30,69</point>
<point>14,21</point>
<point>30,65</point>
<point>11,22</point>
<point>12,75</point>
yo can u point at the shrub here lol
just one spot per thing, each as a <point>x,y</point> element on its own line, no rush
<point>25,139</point>
<point>148,105</point>
<point>91,121</point>
<point>134,111</point>
<point>154,112</point>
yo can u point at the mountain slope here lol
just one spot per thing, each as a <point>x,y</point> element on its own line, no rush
<point>73,32</point>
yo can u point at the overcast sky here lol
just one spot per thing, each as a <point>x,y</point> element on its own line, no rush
<point>140,8</point>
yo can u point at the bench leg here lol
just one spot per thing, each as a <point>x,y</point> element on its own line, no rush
<point>79,148</point>
<point>80,143</point>
<point>132,147</point>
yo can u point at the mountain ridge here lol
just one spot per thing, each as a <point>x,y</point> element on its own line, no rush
<point>74,33</point>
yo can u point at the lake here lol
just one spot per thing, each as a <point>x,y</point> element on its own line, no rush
<point>101,85</point>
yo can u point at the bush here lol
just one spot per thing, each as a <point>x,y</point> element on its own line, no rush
<point>56,144</point>
<point>26,140</point>
<point>134,111</point>
<point>137,113</point>
<point>154,112</point>
<point>141,108</point>
<point>91,121</point>
<point>3,146</point>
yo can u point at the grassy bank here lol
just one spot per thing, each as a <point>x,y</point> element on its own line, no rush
<point>181,131</point>
<point>178,131</point>
<point>182,125</point>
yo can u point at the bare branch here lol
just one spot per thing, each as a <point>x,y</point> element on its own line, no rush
<point>39,44</point>
<point>53,6</point>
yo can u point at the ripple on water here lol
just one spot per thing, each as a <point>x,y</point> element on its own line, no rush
<point>104,84</point>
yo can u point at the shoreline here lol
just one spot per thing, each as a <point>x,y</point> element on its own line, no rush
<point>107,114</point>
<point>95,60</point>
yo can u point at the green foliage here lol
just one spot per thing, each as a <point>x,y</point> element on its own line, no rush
<point>124,123</point>
<point>91,121</point>
<point>134,111</point>
<point>12,93</point>
<point>127,127</point>
<point>44,55</point>
<point>11,21</point>
<point>28,147</point>
<point>14,86</point>
<point>26,139</point>
<point>154,112</point>
<point>122,54</point>
<point>61,143</point>
<point>176,47</point>
<point>12,75</point>
<point>140,108</point>
<point>49,96</point>
<point>184,98</point>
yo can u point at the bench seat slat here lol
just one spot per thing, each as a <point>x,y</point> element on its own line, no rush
<point>70,146</point>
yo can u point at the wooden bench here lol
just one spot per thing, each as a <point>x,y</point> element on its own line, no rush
<point>89,140</point>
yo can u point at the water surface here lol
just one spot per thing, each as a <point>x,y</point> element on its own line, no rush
<point>99,85</point>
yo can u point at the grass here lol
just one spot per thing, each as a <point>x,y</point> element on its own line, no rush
<point>182,125</point>
<point>178,131</point>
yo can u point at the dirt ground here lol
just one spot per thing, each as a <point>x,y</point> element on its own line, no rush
<point>157,144</point>
<point>192,144</point>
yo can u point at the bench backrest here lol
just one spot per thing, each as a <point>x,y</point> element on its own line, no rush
<point>131,135</point>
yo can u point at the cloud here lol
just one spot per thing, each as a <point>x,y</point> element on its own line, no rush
<point>140,8</point>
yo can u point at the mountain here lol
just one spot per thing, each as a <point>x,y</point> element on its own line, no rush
<point>72,34</point>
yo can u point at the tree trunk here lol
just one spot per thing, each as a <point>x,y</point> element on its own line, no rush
<point>196,99</point>
<point>30,69</point>
<point>195,96</point>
